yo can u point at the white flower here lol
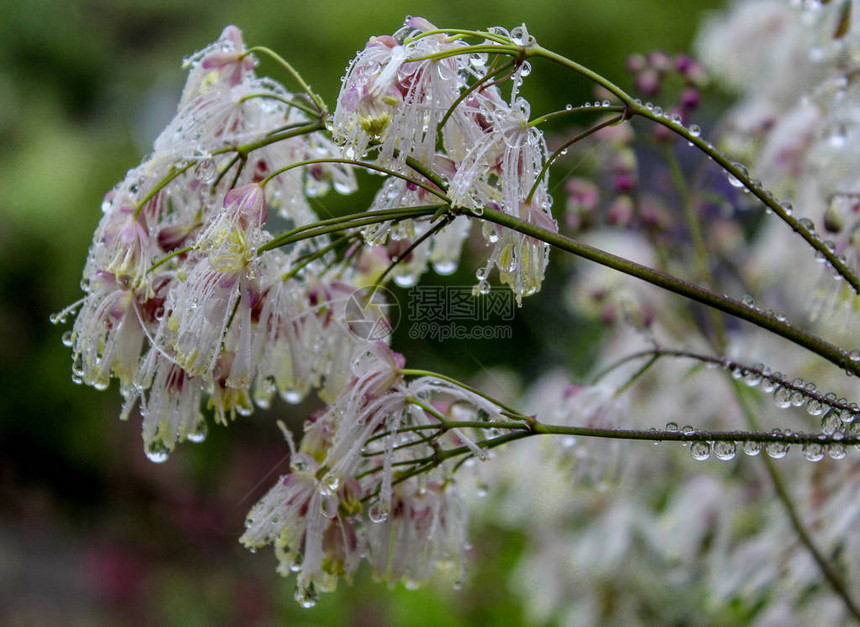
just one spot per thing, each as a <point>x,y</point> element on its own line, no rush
<point>503,164</point>
<point>387,98</point>
<point>520,259</point>
<point>107,337</point>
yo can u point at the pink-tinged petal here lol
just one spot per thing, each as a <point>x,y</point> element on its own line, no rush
<point>250,201</point>
<point>420,23</point>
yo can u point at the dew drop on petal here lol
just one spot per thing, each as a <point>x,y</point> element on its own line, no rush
<point>157,451</point>
<point>379,511</point>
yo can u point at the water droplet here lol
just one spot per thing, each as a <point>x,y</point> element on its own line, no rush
<point>813,452</point>
<point>300,462</point>
<point>782,397</point>
<point>733,180</point>
<point>331,482</point>
<point>814,407</point>
<point>519,35</point>
<point>807,225</point>
<point>199,433</point>
<point>568,107</point>
<point>68,338</point>
<point>672,426</point>
<point>838,137</point>
<point>379,511</point>
<point>753,377</point>
<point>206,170</point>
<point>567,441</point>
<point>695,130</point>
<point>854,355</point>
<point>291,396</point>
<point>776,450</point>
<point>831,422</point>
<point>700,450</point>
<point>606,103</point>
<point>478,59</point>
<point>525,69</point>
<point>725,450</point>
<point>836,450</point>
<point>329,504</point>
<point>157,451</point>
<point>296,563</point>
<point>306,596</point>
<point>752,448</point>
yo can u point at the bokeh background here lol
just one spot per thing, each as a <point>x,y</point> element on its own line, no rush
<point>91,532</point>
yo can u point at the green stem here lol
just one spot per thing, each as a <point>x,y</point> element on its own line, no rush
<point>161,185</point>
<point>574,110</point>
<point>463,33</point>
<point>734,366</point>
<point>412,372</point>
<point>362,164</point>
<point>167,258</point>
<point>700,249</point>
<point>830,574</point>
<point>318,101</point>
<point>815,344</point>
<point>341,223</point>
<point>246,149</point>
<point>291,103</point>
<point>755,188</point>
<point>424,237</point>
<point>540,51</point>
<point>561,149</point>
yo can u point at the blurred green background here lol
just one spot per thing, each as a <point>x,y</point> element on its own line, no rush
<point>91,532</point>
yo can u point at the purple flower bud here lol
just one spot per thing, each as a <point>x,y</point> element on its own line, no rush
<point>659,61</point>
<point>620,212</point>
<point>635,63</point>
<point>624,182</point>
<point>690,98</point>
<point>648,82</point>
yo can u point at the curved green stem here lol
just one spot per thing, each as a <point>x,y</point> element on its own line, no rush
<point>332,225</point>
<point>759,371</point>
<point>561,149</point>
<point>318,101</point>
<point>362,164</point>
<point>290,103</point>
<point>755,188</point>
<point>813,343</point>
<point>575,110</point>
<point>832,577</point>
<point>164,182</point>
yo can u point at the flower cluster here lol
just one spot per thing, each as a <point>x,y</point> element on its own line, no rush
<point>345,499</point>
<point>410,100</point>
<point>196,305</point>
<point>179,306</point>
